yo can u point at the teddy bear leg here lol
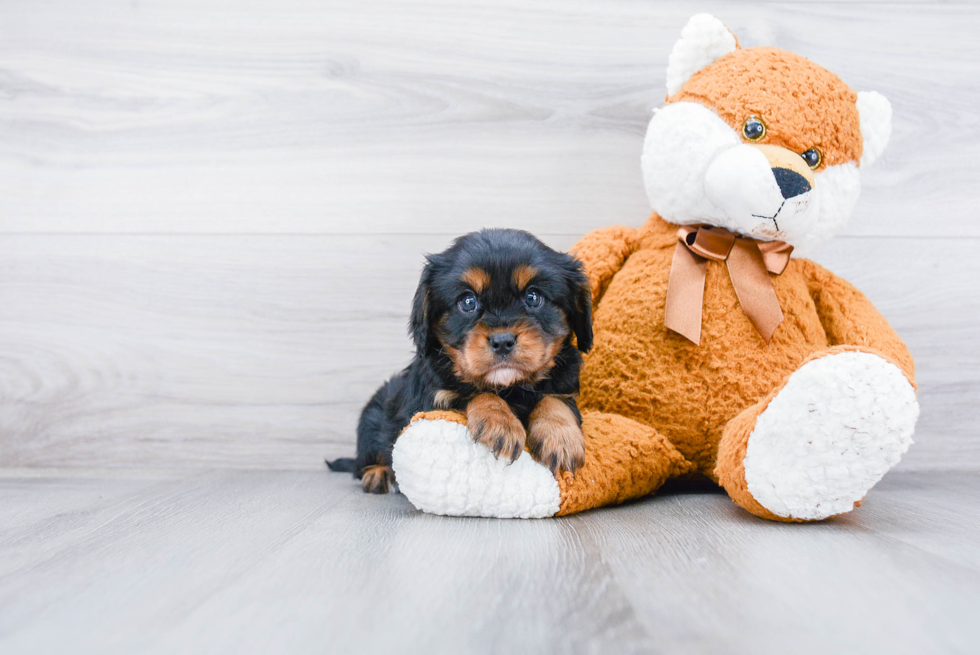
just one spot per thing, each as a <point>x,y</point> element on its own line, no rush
<point>442,470</point>
<point>817,444</point>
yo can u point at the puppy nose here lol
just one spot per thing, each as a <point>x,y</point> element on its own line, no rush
<point>791,183</point>
<point>503,342</point>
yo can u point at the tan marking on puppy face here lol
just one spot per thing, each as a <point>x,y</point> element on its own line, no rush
<point>532,358</point>
<point>444,398</point>
<point>555,437</point>
<point>802,105</point>
<point>493,424</point>
<point>477,278</point>
<point>536,351</point>
<point>476,356</point>
<point>377,479</point>
<point>523,274</point>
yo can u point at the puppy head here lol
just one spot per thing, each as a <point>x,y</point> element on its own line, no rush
<point>501,305</point>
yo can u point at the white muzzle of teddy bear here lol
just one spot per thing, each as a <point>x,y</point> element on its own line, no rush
<point>698,170</point>
<point>742,182</point>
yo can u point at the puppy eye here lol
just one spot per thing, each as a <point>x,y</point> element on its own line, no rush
<point>468,303</point>
<point>533,299</point>
<point>812,157</point>
<point>753,129</point>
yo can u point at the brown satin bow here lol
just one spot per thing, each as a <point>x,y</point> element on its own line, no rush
<point>749,264</point>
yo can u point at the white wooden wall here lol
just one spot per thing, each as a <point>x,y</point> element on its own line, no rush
<point>212,215</point>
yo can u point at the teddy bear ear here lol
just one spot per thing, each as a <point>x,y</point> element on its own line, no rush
<point>703,40</point>
<point>876,124</point>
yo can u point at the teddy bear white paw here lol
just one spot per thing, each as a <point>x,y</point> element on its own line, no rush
<point>441,470</point>
<point>840,423</point>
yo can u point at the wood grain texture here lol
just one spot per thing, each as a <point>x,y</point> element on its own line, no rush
<point>251,351</point>
<point>212,219</point>
<point>297,562</point>
<point>212,216</point>
<point>743,586</point>
<point>259,351</point>
<point>426,117</point>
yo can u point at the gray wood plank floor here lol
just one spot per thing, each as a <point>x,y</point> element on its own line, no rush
<point>297,562</point>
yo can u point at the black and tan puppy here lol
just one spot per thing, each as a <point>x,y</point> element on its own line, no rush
<point>493,322</point>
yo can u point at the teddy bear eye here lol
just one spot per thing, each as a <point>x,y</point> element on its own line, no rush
<point>753,129</point>
<point>812,157</point>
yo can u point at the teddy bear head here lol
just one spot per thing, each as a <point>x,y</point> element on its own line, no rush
<point>758,141</point>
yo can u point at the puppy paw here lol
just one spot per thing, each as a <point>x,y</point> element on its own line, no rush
<point>378,479</point>
<point>555,437</point>
<point>561,449</point>
<point>493,424</point>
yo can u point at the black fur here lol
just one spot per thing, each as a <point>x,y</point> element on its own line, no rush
<point>341,465</point>
<point>437,322</point>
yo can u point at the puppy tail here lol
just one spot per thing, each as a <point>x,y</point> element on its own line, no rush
<point>341,465</point>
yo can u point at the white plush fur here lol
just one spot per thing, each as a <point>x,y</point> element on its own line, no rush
<point>739,182</point>
<point>876,124</point>
<point>703,40</point>
<point>840,423</point>
<point>441,470</point>
<point>697,170</point>
<point>683,138</point>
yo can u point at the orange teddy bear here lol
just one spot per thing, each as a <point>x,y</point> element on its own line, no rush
<point>716,351</point>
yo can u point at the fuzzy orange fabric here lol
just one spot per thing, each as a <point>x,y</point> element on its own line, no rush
<point>802,105</point>
<point>623,460</point>
<point>849,318</point>
<point>640,369</point>
<point>607,249</point>
<point>438,415</point>
<point>690,394</point>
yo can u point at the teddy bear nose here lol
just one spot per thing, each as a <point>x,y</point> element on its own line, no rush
<point>791,183</point>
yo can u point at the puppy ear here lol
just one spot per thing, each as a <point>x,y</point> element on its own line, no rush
<point>580,310</point>
<point>418,324</point>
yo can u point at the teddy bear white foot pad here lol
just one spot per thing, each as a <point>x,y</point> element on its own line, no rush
<point>441,470</point>
<point>840,423</point>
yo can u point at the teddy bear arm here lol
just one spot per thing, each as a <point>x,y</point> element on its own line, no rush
<point>442,470</point>
<point>603,252</point>
<point>850,319</point>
